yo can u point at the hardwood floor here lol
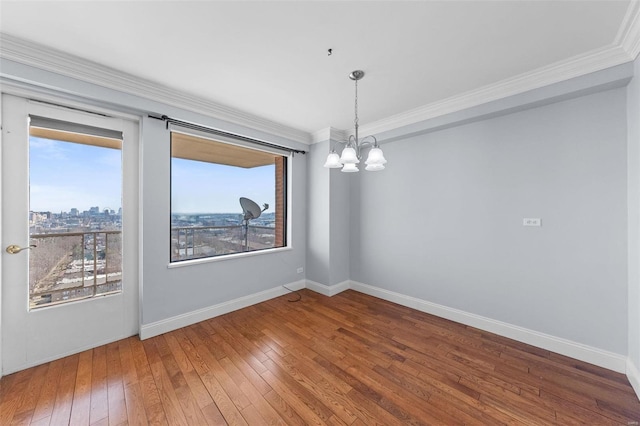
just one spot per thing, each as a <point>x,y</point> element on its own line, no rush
<point>350,359</point>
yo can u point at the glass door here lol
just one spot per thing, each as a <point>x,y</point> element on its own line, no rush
<point>68,218</point>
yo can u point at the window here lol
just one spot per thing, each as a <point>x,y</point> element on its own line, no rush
<point>208,180</point>
<point>75,214</point>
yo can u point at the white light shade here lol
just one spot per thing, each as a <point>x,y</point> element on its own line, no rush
<point>376,157</point>
<point>333,161</point>
<point>374,167</point>
<point>350,168</point>
<point>349,156</point>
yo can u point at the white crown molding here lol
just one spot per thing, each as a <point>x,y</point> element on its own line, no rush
<point>59,62</point>
<point>576,66</point>
<point>329,133</point>
<point>628,36</point>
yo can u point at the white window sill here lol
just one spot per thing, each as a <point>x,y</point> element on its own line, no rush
<point>225,257</point>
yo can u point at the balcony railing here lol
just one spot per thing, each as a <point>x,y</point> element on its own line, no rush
<point>75,265</point>
<point>195,242</point>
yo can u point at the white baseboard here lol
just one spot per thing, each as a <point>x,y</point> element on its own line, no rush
<point>599,357</point>
<point>634,376</point>
<point>327,290</point>
<point>179,321</point>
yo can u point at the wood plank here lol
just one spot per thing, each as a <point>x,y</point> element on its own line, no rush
<point>187,395</point>
<point>304,408</point>
<point>213,415</point>
<point>9,406</point>
<point>61,413</point>
<point>330,396</point>
<point>223,401</point>
<point>10,383</point>
<point>287,413</point>
<point>413,408</point>
<point>251,392</point>
<point>150,396</point>
<point>12,389</point>
<point>165,386</point>
<point>192,379</point>
<point>115,386</point>
<point>240,362</point>
<point>228,385</point>
<point>27,404</point>
<point>375,403</point>
<point>99,397</point>
<point>81,405</point>
<point>129,375</point>
<point>136,414</point>
<point>44,407</point>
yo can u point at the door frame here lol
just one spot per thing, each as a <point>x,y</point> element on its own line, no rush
<point>131,177</point>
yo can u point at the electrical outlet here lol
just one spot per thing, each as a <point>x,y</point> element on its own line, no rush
<point>531,221</point>
<point>300,270</point>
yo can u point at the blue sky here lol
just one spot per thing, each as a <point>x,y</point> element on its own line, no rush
<point>199,187</point>
<point>65,175</point>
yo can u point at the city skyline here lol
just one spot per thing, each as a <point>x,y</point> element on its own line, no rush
<point>79,212</point>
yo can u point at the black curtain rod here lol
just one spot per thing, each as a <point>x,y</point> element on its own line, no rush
<point>205,129</point>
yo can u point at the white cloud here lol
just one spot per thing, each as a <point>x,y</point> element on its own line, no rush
<point>54,150</point>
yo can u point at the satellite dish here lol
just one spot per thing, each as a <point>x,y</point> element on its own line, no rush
<point>250,210</point>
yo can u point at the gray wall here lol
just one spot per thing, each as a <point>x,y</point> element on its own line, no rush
<point>443,222</point>
<point>318,209</point>
<point>328,219</point>
<point>633,135</point>
<point>340,224</point>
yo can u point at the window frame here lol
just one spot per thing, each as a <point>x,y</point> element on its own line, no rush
<point>287,155</point>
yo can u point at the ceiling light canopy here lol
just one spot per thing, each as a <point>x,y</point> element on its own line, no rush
<point>352,152</point>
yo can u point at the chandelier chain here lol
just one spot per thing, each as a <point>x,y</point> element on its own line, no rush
<point>356,107</point>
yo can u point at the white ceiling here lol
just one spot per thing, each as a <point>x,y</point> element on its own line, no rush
<point>270,58</point>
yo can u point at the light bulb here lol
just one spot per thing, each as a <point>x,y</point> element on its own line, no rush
<point>374,167</point>
<point>350,168</point>
<point>333,161</point>
<point>376,157</point>
<point>349,156</point>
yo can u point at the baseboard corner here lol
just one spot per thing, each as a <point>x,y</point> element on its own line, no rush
<point>327,290</point>
<point>633,375</point>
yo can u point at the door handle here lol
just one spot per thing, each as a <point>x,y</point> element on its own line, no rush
<point>14,249</point>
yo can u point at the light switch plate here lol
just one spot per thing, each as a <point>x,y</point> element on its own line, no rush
<point>531,221</point>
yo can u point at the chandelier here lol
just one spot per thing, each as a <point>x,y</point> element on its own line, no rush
<point>352,152</point>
